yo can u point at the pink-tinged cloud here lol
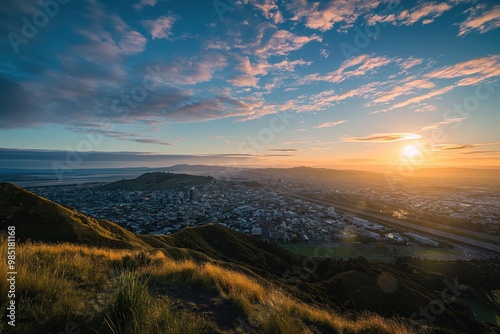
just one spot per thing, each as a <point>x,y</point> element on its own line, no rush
<point>330,124</point>
<point>354,67</point>
<point>426,12</point>
<point>161,27</point>
<point>282,42</point>
<point>411,62</point>
<point>479,69</point>
<point>382,138</point>
<point>270,10</point>
<point>323,17</point>
<point>482,21</point>
<point>439,125</point>
<point>421,98</point>
<point>404,89</point>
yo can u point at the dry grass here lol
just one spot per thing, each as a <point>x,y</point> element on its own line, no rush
<point>59,283</point>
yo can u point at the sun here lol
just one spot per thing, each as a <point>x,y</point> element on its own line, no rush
<point>411,151</point>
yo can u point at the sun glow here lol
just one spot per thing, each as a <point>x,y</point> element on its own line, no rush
<point>411,151</point>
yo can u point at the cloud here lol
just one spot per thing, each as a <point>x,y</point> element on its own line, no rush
<point>151,141</point>
<point>474,71</point>
<point>324,53</point>
<point>426,12</point>
<point>250,71</point>
<point>282,42</point>
<point>191,71</point>
<point>410,62</point>
<point>455,147</point>
<point>324,17</point>
<point>330,124</point>
<point>145,3</point>
<point>131,41</point>
<point>404,89</point>
<point>382,138</point>
<point>353,67</point>
<point>425,108</point>
<point>421,98</point>
<point>481,20</point>
<point>480,152</point>
<point>25,158</point>
<point>439,125</point>
<point>471,72</point>
<point>458,147</point>
<point>284,150</point>
<point>269,10</point>
<point>161,27</point>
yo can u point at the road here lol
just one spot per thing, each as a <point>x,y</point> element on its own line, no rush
<point>402,224</point>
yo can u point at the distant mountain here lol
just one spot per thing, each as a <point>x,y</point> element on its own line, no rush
<point>195,168</point>
<point>158,181</point>
<point>233,281</point>
<point>458,173</point>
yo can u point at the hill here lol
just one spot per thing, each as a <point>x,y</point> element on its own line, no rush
<point>211,279</point>
<point>196,168</point>
<point>39,219</point>
<point>158,181</point>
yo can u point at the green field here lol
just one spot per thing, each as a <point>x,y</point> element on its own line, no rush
<point>318,250</point>
<point>372,252</point>
<point>482,311</point>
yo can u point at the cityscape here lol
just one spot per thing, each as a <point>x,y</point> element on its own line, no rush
<point>286,212</point>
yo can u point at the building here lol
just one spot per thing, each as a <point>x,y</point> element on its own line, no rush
<point>256,231</point>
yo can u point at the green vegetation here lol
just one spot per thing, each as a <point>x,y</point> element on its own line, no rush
<point>158,181</point>
<point>310,250</point>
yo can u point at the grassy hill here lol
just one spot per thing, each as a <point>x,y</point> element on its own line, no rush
<point>209,279</point>
<point>39,219</point>
<point>158,181</point>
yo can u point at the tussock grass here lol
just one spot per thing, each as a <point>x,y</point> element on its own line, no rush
<point>115,291</point>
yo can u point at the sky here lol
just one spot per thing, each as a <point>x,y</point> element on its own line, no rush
<point>359,84</point>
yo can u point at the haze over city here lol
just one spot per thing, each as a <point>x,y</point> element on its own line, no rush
<point>358,84</point>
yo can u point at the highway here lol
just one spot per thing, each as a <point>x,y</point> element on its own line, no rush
<point>384,220</point>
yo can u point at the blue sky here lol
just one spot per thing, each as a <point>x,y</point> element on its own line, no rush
<point>342,84</point>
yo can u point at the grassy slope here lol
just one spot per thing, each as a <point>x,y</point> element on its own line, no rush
<point>39,219</point>
<point>158,181</point>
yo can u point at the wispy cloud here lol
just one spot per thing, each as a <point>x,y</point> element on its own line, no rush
<point>425,12</point>
<point>342,13</point>
<point>284,150</point>
<point>282,42</point>
<point>382,138</point>
<point>455,147</point>
<point>354,67</point>
<point>481,20</point>
<point>269,10</point>
<point>440,124</point>
<point>161,27</point>
<point>330,124</point>
<point>151,141</point>
<point>145,3</point>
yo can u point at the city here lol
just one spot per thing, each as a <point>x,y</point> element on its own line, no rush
<point>285,212</point>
